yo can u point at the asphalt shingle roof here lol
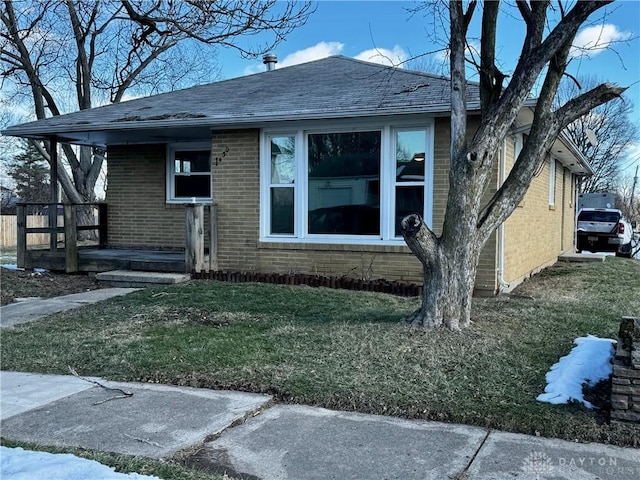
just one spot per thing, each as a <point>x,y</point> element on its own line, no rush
<point>332,87</point>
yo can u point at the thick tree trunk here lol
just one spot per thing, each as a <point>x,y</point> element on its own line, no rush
<point>449,276</point>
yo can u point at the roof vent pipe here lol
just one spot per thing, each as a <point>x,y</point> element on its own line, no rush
<point>270,60</point>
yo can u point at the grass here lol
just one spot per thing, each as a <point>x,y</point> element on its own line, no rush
<point>165,469</point>
<point>349,350</point>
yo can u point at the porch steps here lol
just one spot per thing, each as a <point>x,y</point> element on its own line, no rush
<point>137,279</point>
<point>582,257</point>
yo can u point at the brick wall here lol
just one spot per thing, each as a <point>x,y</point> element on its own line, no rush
<point>238,220</point>
<point>625,384</point>
<point>138,213</point>
<point>537,232</point>
<point>486,278</point>
<point>139,216</point>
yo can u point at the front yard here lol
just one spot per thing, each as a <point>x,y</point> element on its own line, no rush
<point>348,350</point>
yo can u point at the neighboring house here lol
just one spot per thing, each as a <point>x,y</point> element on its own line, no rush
<point>312,167</point>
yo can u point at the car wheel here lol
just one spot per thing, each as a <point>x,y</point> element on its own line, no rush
<point>625,251</point>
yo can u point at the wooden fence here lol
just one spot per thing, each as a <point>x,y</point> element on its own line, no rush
<point>9,230</point>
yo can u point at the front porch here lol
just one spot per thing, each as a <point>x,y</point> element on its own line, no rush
<point>82,245</point>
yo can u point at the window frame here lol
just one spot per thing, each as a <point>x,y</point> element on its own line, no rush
<point>172,148</point>
<point>427,183</point>
<point>301,179</point>
<point>266,176</point>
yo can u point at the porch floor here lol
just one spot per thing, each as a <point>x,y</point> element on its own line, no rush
<point>106,259</point>
<point>130,259</point>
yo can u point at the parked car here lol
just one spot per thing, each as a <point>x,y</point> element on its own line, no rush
<point>604,230</point>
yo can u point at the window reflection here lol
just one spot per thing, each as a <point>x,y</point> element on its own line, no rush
<point>344,183</point>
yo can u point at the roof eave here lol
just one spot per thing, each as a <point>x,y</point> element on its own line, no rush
<point>575,151</point>
<point>33,130</point>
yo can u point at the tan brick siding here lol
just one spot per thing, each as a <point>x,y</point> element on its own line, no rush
<point>140,216</point>
<point>536,233</point>
<point>236,191</point>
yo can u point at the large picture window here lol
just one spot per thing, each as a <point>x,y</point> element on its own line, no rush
<point>355,186</point>
<point>189,173</point>
<point>344,183</point>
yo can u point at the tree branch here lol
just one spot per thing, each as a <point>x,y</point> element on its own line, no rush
<point>490,77</point>
<point>459,23</point>
<point>63,177</point>
<point>419,238</point>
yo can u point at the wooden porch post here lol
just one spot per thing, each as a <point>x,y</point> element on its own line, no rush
<point>102,222</point>
<point>53,206</point>
<point>21,246</point>
<point>70,239</point>
<point>194,238</point>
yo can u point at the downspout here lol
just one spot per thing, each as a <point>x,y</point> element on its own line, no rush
<point>503,174</point>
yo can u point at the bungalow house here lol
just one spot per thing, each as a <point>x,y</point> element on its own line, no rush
<point>311,168</point>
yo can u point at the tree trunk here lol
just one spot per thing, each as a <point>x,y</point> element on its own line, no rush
<point>449,276</point>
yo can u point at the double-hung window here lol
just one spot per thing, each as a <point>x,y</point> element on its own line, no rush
<point>189,172</point>
<point>282,173</point>
<point>350,186</point>
<point>412,166</point>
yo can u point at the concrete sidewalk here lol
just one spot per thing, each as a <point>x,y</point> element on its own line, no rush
<point>30,309</point>
<point>247,435</point>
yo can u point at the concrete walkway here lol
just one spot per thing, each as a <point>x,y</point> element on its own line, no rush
<point>247,435</point>
<point>30,309</point>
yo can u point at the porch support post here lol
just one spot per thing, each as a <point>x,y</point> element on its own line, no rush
<point>70,239</point>
<point>53,206</point>
<point>194,238</point>
<point>21,247</point>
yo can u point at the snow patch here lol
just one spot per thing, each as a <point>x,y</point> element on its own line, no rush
<point>20,464</point>
<point>588,362</point>
<point>12,266</point>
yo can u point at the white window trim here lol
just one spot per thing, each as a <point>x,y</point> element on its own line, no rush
<point>552,181</point>
<point>387,181</point>
<point>170,170</point>
<point>428,175</point>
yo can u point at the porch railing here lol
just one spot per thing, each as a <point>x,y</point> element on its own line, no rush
<point>70,229</point>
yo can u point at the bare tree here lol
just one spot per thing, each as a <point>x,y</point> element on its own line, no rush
<point>628,197</point>
<point>613,133</point>
<point>450,260</point>
<point>106,49</point>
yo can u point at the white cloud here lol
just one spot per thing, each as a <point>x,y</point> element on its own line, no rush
<point>395,56</point>
<point>593,40</point>
<point>316,52</point>
<point>384,56</point>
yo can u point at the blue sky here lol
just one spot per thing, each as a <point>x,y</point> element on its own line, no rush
<point>383,30</point>
<point>352,28</point>
<point>367,29</point>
